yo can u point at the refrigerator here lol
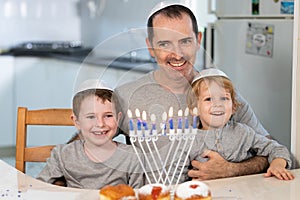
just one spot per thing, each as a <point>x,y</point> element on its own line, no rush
<point>252,41</point>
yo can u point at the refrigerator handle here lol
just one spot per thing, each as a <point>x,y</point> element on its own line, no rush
<point>210,10</point>
<point>209,44</point>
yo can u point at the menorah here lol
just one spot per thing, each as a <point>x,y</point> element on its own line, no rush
<point>165,167</point>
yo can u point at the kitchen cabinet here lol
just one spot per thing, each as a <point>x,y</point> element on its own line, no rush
<point>36,82</point>
<point>44,83</point>
<point>7,115</point>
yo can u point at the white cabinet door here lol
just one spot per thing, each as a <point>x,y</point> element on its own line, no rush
<point>45,83</point>
<point>7,114</point>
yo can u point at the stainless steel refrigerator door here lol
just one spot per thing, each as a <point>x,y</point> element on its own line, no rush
<point>264,81</point>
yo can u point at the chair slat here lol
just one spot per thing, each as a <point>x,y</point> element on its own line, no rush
<point>52,117</point>
<point>58,117</point>
<point>38,154</point>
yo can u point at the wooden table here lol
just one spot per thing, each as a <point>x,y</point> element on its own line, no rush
<point>17,185</point>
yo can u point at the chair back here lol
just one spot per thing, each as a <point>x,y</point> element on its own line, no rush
<point>46,117</point>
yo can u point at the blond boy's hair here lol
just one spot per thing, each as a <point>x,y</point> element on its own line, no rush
<point>222,81</point>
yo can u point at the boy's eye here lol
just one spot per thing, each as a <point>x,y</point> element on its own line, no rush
<point>91,117</point>
<point>109,115</point>
<point>208,99</point>
<point>225,98</point>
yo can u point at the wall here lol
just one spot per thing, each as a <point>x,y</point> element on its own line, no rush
<point>27,20</point>
<point>295,135</point>
<point>45,83</point>
<point>97,18</point>
<point>38,20</point>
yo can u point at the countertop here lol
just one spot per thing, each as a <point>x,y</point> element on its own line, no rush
<point>88,56</point>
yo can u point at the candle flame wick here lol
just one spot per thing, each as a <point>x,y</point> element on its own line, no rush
<point>153,118</point>
<point>195,111</point>
<point>186,112</point>
<point>144,115</point>
<point>137,113</point>
<point>171,112</point>
<point>129,113</point>
<point>179,113</point>
<point>164,116</point>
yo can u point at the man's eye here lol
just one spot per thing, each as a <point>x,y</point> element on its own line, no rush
<point>164,45</point>
<point>186,42</point>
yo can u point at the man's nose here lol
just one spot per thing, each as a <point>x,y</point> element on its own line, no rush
<point>177,51</point>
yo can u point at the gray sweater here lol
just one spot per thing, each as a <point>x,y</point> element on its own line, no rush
<point>70,161</point>
<point>236,142</point>
<point>147,95</point>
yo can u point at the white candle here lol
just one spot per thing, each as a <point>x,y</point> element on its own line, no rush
<point>195,114</point>
<point>138,115</point>
<point>144,118</point>
<point>129,114</point>
<point>164,119</point>
<point>179,119</point>
<point>153,120</point>
<point>186,114</point>
<point>171,118</point>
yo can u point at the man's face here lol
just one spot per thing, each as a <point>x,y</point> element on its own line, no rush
<point>174,44</point>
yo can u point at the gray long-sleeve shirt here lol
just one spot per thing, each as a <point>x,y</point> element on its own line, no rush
<point>237,142</point>
<point>147,95</point>
<point>70,161</point>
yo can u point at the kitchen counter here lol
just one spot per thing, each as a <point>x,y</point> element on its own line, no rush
<point>123,63</point>
<point>73,53</point>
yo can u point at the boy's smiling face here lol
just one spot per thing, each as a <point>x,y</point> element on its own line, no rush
<point>214,105</point>
<point>97,121</point>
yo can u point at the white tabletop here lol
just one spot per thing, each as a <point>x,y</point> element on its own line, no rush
<point>256,187</point>
<point>16,185</point>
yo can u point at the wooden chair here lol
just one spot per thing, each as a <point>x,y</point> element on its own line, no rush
<point>48,117</point>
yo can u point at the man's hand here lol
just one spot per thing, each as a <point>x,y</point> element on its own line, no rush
<point>215,167</point>
<point>218,167</point>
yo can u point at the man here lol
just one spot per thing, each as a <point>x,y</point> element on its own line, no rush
<point>173,40</point>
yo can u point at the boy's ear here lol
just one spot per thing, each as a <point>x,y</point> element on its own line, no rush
<point>75,121</point>
<point>119,115</point>
<point>234,109</point>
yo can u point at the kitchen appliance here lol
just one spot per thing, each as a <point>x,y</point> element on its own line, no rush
<point>49,48</point>
<point>251,41</point>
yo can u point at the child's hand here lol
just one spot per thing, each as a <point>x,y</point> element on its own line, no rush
<point>277,169</point>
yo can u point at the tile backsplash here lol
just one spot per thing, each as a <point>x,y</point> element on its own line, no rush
<point>24,20</point>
